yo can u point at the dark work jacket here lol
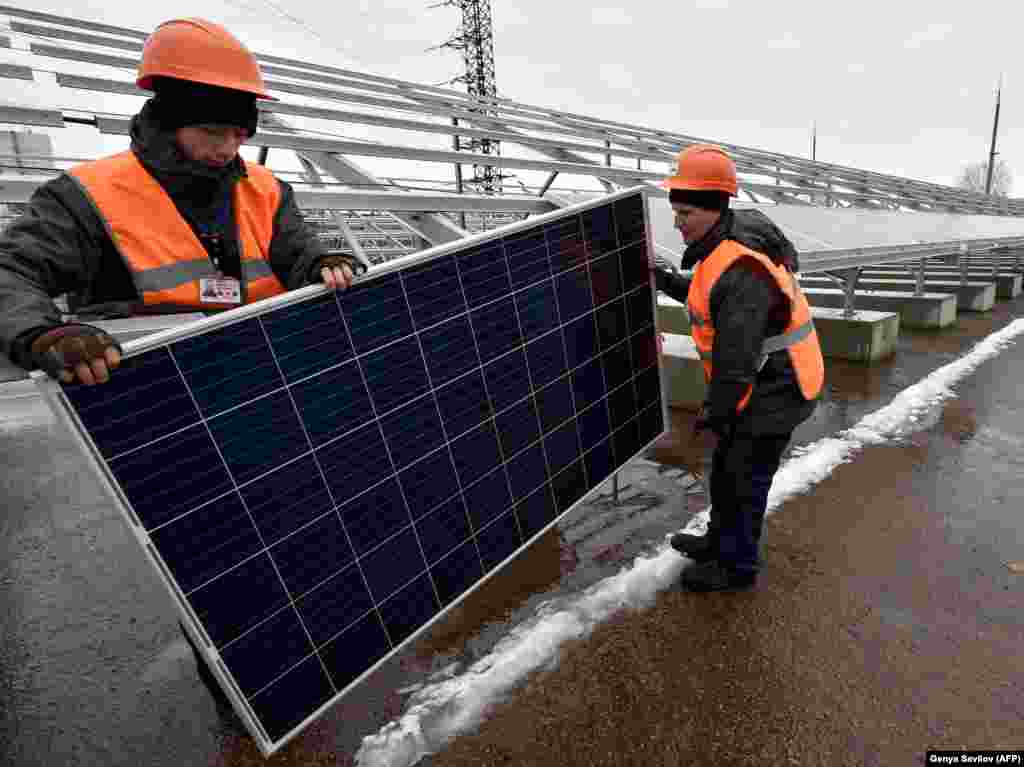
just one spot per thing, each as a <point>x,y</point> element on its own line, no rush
<point>747,307</point>
<point>61,245</point>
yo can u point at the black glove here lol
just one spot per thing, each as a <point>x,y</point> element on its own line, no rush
<point>663,273</point>
<point>719,412</point>
<point>65,346</point>
<point>334,261</point>
<point>721,426</point>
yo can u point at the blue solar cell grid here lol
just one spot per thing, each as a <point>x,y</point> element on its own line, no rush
<point>324,479</point>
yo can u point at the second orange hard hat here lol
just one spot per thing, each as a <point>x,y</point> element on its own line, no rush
<point>704,167</point>
<point>200,51</point>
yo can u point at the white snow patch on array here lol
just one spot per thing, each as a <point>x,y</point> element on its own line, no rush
<point>441,710</point>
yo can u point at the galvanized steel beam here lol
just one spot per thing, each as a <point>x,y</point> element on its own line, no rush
<point>20,190</point>
<point>433,227</point>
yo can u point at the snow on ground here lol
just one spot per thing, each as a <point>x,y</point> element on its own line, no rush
<point>454,703</point>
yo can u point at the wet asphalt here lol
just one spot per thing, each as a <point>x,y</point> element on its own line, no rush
<point>888,619</point>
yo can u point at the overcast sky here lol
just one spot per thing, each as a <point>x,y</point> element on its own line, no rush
<point>900,87</point>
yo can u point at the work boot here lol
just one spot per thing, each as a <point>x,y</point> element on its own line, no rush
<point>713,576</point>
<point>696,547</point>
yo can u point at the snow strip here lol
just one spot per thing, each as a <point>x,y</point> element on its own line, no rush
<point>453,703</point>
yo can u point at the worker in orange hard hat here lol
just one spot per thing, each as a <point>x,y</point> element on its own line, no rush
<point>177,223</point>
<point>754,332</point>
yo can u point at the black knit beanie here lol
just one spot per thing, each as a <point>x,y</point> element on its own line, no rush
<point>180,103</point>
<point>708,200</point>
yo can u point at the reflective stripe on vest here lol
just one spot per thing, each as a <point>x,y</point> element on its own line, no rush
<point>784,341</point>
<point>777,343</point>
<point>799,338</point>
<point>162,253</point>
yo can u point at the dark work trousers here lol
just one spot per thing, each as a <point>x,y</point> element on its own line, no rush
<point>742,469</point>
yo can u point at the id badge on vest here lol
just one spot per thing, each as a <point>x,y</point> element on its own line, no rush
<point>220,290</point>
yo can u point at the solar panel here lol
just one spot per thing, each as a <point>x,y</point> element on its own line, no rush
<point>319,476</point>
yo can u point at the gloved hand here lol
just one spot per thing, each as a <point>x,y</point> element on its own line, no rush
<point>660,262</point>
<point>719,413</point>
<point>337,271</point>
<point>83,351</point>
<point>663,272</point>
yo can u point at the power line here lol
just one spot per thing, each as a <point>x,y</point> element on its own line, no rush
<point>297,21</point>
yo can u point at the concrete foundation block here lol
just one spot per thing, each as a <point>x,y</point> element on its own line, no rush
<point>684,373</point>
<point>868,336</point>
<point>931,310</point>
<point>1008,285</point>
<point>1009,263</point>
<point>673,316</point>
<point>971,297</point>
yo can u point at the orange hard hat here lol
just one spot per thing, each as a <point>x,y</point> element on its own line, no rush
<point>704,168</point>
<point>201,52</point>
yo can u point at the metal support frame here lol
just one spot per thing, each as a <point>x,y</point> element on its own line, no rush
<point>458,172</point>
<point>432,227</point>
<point>20,189</point>
<point>387,235</point>
<point>837,260</point>
<point>579,145</point>
<point>357,249</point>
<point>919,279</point>
<point>847,281</point>
<point>827,258</point>
<point>547,148</point>
<point>547,184</point>
<point>862,195</point>
<point>555,152</point>
<point>864,188</point>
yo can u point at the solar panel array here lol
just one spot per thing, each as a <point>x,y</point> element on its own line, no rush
<point>318,482</point>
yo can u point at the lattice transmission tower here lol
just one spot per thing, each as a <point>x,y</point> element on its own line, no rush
<point>475,39</point>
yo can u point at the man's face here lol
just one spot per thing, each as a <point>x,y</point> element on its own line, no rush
<point>214,145</point>
<point>693,222</point>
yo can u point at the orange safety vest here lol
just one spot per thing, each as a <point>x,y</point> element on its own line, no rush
<point>163,254</point>
<point>800,338</point>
